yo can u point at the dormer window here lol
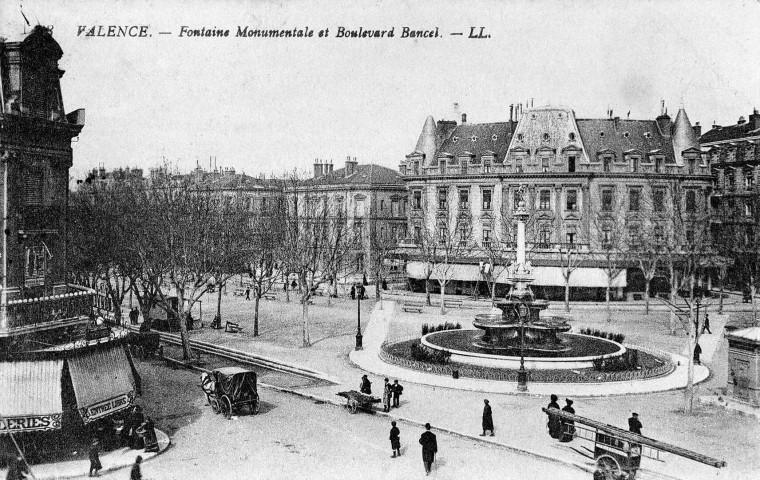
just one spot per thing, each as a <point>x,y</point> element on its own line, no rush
<point>647,135</point>
<point>474,138</point>
<point>546,137</point>
<point>571,136</point>
<point>494,137</point>
<point>454,139</point>
<point>607,163</point>
<point>520,137</point>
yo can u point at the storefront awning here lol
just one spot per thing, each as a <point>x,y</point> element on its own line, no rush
<point>543,276</point>
<point>30,396</point>
<point>103,382</point>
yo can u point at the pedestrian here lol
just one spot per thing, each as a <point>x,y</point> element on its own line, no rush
<point>293,285</point>
<point>487,419</point>
<point>361,292</point>
<point>567,425</point>
<point>366,386</point>
<point>16,469</point>
<point>136,473</point>
<point>634,425</point>
<point>554,423</point>
<point>706,326</point>
<point>95,464</point>
<point>429,448</point>
<point>397,391</point>
<point>387,393</point>
<point>364,279</point>
<point>395,440</point>
<point>697,353</point>
<point>353,292</point>
<point>148,431</point>
<point>384,285</point>
<point>247,293</point>
<point>133,314</point>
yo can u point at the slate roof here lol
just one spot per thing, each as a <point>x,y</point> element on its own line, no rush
<point>615,139</point>
<point>366,174</point>
<point>479,139</point>
<point>732,132</point>
<point>536,123</point>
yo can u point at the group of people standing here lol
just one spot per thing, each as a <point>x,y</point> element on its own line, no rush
<point>428,441</point>
<point>563,428</point>
<point>391,392</point>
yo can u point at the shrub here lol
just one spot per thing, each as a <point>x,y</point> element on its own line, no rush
<point>421,353</point>
<point>425,329</point>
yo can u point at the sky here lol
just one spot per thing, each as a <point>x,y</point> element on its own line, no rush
<point>267,105</point>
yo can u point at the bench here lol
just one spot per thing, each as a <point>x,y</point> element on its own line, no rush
<point>452,303</point>
<point>412,307</point>
<point>233,327</point>
<point>269,296</point>
<point>239,292</point>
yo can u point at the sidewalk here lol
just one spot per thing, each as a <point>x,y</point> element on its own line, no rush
<point>111,461</point>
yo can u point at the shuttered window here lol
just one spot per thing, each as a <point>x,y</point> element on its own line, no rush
<point>33,181</point>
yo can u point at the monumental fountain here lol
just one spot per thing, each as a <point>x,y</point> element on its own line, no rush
<point>520,335</point>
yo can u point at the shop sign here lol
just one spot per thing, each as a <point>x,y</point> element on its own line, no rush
<point>30,423</point>
<point>107,407</point>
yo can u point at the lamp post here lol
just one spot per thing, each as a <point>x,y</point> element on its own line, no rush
<point>359,322</point>
<point>522,374</point>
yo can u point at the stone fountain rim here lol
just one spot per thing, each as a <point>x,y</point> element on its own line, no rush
<point>549,360</point>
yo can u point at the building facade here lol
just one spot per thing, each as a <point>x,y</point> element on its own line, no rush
<point>584,181</point>
<point>53,356</point>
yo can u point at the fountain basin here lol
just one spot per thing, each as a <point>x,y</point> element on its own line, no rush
<point>581,352</point>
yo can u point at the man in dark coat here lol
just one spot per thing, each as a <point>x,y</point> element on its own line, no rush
<point>149,432</point>
<point>395,439</point>
<point>568,426</point>
<point>136,473</point>
<point>634,425</point>
<point>366,385</point>
<point>429,448</point>
<point>94,453</point>
<point>706,325</point>
<point>554,423</point>
<point>697,353</point>
<point>133,314</point>
<point>487,419</point>
<point>353,292</point>
<point>397,391</point>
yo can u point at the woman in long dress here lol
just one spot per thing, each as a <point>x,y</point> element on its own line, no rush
<point>554,423</point>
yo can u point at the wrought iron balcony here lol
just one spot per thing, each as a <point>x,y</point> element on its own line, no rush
<point>42,313</point>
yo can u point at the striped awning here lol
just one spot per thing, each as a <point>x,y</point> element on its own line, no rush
<point>543,276</point>
<point>30,396</point>
<point>103,382</point>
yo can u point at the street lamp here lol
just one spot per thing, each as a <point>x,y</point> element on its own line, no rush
<point>359,321</point>
<point>522,374</point>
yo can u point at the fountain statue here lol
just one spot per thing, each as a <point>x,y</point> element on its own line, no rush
<point>521,310</point>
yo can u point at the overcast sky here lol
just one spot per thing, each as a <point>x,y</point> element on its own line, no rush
<point>266,105</point>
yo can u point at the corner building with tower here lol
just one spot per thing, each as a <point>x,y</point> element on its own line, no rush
<point>586,181</point>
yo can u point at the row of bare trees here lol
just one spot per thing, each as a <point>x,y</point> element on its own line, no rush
<point>175,237</point>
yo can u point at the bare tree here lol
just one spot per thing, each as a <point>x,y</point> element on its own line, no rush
<point>382,245</point>
<point>570,260</point>
<point>265,238</point>
<point>608,228</point>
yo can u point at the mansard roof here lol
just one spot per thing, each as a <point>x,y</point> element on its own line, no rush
<point>732,132</point>
<point>620,136</point>
<point>478,139</point>
<point>365,174</point>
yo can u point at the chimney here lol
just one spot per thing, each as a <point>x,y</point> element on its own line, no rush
<point>318,168</point>
<point>754,119</point>
<point>464,118</point>
<point>741,121</point>
<point>697,129</point>
<point>663,121</point>
<point>511,107</point>
<point>350,166</point>
<point>616,121</point>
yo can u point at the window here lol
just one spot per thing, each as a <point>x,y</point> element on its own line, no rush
<point>571,136</point>
<point>486,236</point>
<point>33,182</point>
<point>607,237</point>
<point>545,200</point>
<point>487,199</point>
<point>464,199</point>
<point>359,207</point>
<point>607,162</point>
<point>634,237</point>
<point>635,164</point>
<point>415,168</point>
<point>571,203</point>
<point>730,179</point>
<point>748,208</point>
<point>634,196</point>
<point>382,205</point>
<point>443,167</point>
<point>464,234</point>
<point>749,179</point>
<point>658,163</point>
<point>518,165</point>
<point>442,200</point>
<point>607,200</point>
<point>659,235</point>
<point>36,265</point>
<point>658,200</point>
<point>417,200</point>
<point>516,200</point>
<point>571,163</point>
<point>464,165</point>
<point>403,206</point>
<point>692,162</point>
<point>417,233</point>
<point>544,235</point>
<point>394,207</point>
<point>442,231</point>
<point>544,165</point>
<point>690,236</point>
<point>570,237</point>
<point>691,201</point>
<point>487,164</point>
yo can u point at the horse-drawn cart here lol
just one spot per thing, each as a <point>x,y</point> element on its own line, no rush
<point>357,400</point>
<point>230,389</point>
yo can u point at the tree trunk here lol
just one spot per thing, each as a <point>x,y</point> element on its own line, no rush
<point>219,300</point>
<point>493,291</point>
<point>754,304</point>
<point>647,281</point>
<point>287,290</point>
<point>377,288</point>
<point>256,316</point>
<point>427,291</point>
<point>443,298</point>
<point>607,300</point>
<point>305,319</point>
<point>567,293</point>
<point>693,332</point>
<point>187,352</point>
<point>720,300</point>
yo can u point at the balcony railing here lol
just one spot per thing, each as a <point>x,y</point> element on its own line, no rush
<point>64,308</point>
